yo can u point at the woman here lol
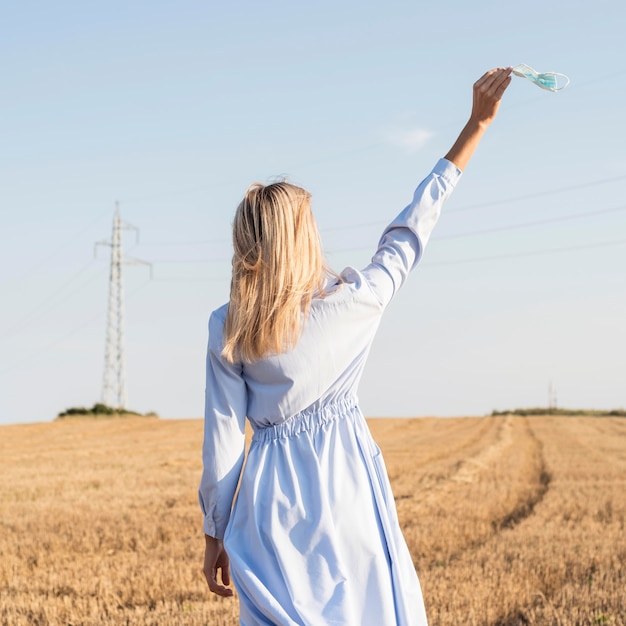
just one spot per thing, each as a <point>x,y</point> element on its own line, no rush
<point>313,537</point>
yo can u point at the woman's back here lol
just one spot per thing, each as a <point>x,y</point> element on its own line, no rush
<point>328,360</point>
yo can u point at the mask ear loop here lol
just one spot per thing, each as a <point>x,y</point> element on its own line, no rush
<point>555,88</point>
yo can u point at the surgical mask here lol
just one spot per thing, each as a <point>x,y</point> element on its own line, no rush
<point>547,80</point>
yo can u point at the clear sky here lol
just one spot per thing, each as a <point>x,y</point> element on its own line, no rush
<point>173,108</point>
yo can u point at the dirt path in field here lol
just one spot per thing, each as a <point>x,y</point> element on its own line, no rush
<point>496,463</point>
<point>559,556</point>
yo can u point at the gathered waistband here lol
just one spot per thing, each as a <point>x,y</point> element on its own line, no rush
<point>308,419</point>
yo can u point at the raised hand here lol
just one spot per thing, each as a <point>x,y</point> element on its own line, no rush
<point>488,90</point>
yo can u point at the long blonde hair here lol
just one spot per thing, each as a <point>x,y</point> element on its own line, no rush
<point>277,267</point>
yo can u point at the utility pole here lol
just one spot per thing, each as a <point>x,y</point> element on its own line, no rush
<point>552,404</point>
<point>114,392</point>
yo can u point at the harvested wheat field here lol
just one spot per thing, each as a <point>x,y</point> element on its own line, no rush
<point>510,520</point>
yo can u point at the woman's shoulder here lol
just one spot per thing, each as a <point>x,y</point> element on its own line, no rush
<point>220,312</point>
<point>350,286</point>
<point>217,320</point>
<point>349,276</point>
<point>353,277</point>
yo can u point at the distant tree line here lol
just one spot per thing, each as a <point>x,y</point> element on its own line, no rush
<point>101,410</point>
<point>555,411</point>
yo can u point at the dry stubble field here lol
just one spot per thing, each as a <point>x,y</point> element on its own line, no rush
<point>510,520</point>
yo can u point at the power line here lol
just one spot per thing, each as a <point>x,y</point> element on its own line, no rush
<point>197,242</point>
<point>42,306</point>
<point>539,194</point>
<point>472,233</point>
<point>426,264</point>
<point>481,205</point>
<point>209,279</point>
<point>59,340</point>
<point>548,220</point>
<point>62,247</point>
<point>519,255</point>
<point>471,207</point>
<point>496,257</point>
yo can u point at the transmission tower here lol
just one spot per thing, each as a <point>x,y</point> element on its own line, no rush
<point>114,378</point>
<point>552,404</point>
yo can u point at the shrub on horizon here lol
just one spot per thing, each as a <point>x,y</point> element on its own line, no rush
<point>99,410</point>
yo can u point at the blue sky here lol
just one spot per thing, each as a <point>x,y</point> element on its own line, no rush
<point>172,109</point>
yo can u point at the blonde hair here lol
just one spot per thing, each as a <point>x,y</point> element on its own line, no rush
<point>277,266</point>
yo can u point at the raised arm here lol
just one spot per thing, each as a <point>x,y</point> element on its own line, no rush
<point>404,240</point>
<point>488,91</point>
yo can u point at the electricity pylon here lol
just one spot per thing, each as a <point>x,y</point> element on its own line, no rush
<point>114,379</point>
<point>551,397</point>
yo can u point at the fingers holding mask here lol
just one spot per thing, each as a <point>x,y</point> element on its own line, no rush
<point>494,79</point>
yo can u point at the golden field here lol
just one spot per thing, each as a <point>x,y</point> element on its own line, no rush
<point>510,520</point>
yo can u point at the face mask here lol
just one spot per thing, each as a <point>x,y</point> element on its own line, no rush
<point>547,80</point>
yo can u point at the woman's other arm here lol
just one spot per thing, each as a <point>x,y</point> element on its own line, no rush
<point>222,451</point>
<point>215,558</point>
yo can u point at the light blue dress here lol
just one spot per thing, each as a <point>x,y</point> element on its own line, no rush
<point>313,537</point>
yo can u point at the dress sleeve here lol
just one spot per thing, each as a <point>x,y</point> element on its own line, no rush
<point>224,434</point>
<point>403,241</point>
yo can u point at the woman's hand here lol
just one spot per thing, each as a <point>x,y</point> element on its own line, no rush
<point>215,558</point>
<point>488,91</point>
